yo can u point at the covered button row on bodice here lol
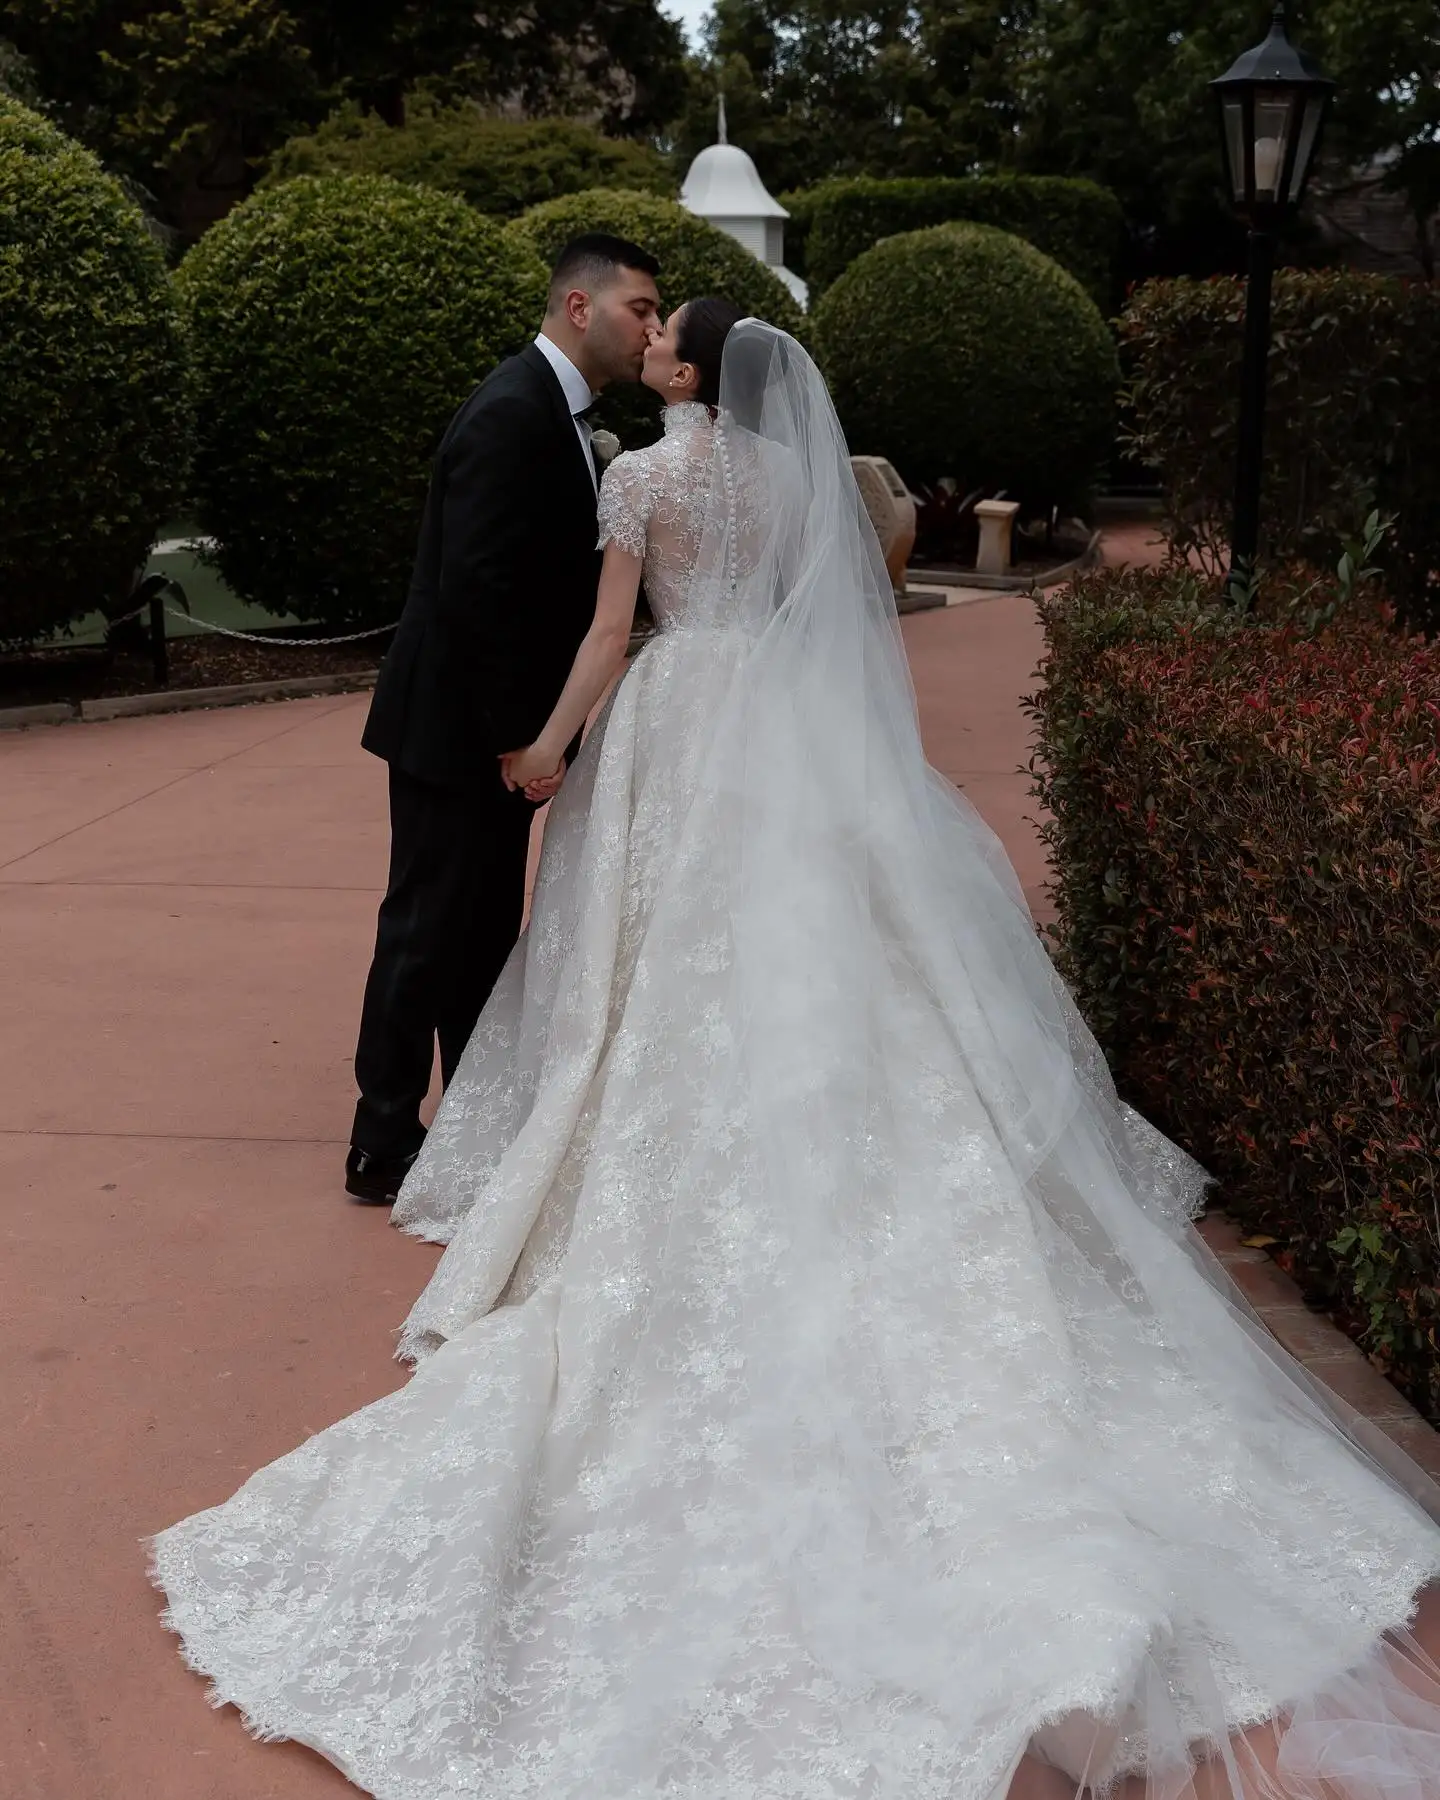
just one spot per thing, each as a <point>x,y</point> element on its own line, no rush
<point>652,504</point>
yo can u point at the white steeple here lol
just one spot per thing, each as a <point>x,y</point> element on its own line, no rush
<point>724,186</point>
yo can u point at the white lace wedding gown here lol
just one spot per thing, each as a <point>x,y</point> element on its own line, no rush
<point>823,1395</point>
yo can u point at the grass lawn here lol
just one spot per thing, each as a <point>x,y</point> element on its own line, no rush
<point>208,596</point>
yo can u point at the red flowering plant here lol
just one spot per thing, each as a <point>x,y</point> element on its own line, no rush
<point>1245,837</point>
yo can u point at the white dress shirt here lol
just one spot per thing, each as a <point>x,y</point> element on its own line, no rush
<point>577,396</point>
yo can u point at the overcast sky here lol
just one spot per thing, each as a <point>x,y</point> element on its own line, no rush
<point>690,13</point>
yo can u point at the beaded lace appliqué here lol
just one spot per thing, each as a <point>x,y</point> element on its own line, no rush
<point>652,503</point>
<point>585,1553</point>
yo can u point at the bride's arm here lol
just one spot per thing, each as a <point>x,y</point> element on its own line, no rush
<point>599,658</point>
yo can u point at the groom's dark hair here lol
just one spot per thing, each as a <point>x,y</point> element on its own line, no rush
<point>593,260</point>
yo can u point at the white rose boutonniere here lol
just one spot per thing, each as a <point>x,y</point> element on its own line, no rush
<point>606,445</point>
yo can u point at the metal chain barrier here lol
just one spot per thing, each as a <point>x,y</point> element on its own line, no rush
<point>277,643</point>
<point>125,618</point>
<point>156,586</point>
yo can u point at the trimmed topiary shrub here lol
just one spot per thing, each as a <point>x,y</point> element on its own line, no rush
<point>337,323</point>
<point>501,166</point>
<point>803,206</point>
<point>963,352</point>
<point>94,400</point>
<point>1078,223</point>
<point>1246,853</point>
<point>695,258</point>
<point>1354,380</point>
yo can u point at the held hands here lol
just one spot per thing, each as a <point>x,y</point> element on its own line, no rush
<point>536,770</point>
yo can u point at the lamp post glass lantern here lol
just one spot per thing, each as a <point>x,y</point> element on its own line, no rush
<point>1272,105</point>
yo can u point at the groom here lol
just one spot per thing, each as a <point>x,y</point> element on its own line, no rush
<point>503,592</point>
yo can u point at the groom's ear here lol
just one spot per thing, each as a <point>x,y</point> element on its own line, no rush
<point>575,308</point>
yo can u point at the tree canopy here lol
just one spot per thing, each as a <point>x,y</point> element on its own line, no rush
<point>1110,89</point>
<point>850,87</point>
<point>1121,96</point>
<point>188,96</point>
<point>501,166</point>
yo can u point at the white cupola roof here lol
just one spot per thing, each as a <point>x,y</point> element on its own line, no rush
<point>723,183</point>
<point>724,186</point>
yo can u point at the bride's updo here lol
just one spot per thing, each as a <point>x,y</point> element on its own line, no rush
<point>700,336</point>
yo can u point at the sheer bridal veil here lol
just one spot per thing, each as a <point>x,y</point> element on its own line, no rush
<point>926,1112</point>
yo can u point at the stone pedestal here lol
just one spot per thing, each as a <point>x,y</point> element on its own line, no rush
<point>997,525</point>
<point>891,510</point>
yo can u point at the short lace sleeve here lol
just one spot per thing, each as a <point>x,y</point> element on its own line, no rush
<point>624,509</point>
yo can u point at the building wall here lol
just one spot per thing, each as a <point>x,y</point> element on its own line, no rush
<point>749,232</point>
<point>1371,228</point>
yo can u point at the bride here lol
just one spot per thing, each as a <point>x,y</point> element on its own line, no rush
<point>823,1394</point>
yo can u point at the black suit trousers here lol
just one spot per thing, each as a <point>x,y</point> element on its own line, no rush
<point>450,917</point>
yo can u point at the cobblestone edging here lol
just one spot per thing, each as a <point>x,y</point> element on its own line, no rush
<point>301,687</point>
<point>169,700</point>
<point>1088,558</point>
<point>1321,1347</point>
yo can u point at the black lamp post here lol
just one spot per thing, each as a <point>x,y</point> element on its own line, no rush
<point>1272,106</point>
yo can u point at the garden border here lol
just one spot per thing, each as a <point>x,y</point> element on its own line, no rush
<point>288,687</point>
<point>1088,558</point>
<point>169,700</point>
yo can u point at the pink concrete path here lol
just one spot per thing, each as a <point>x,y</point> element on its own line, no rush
<point>186,909</point>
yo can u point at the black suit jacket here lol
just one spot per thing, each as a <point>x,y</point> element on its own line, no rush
<point>504,584</point>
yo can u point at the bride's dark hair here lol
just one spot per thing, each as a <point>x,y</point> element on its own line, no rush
<point>700,339</point>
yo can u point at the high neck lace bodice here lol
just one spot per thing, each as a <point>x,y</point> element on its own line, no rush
<point>652,503</point>
<point>687,415</point>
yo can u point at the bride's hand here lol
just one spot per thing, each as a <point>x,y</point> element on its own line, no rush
<point>541,791</point>
<point>535,769</point>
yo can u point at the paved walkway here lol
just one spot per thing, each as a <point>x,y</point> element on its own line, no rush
<point>186,908</point>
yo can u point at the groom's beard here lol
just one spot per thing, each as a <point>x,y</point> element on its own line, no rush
<point>617,365</point>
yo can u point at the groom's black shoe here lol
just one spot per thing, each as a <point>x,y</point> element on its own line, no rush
<point>375,1180</point>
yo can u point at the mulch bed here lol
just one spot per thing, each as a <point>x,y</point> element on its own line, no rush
<point>67,673</point>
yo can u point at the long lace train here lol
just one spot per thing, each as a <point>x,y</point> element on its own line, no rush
<point>823,1395</point>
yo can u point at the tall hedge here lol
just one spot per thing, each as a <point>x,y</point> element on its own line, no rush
<point>695,258</point>
<point>963,352</point>
<point>1246,847</point>
<point>1354,383</point>
<point>803,206</point>
<point>1078,223</point>
<point>500,166</point>
<point>337,324</point>
<point>94,400</point>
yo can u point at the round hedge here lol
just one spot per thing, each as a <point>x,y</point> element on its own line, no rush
<point>94,408</point>
<point>695,258</point>
<point>337,323</point>
<point>963,351</point>
<point>501,166</point>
